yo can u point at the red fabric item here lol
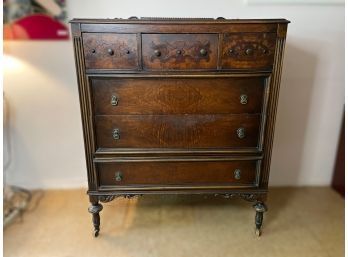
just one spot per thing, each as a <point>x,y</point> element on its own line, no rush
<point>37,26</point>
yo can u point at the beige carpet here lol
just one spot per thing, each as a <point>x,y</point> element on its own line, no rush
<point>300,222</point>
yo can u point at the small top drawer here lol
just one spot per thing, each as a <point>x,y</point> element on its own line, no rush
<point>180,51</point>
<point>110,51</point>
<point>248,50</point>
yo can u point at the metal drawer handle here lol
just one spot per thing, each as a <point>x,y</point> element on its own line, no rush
<point>157,53</point>
<point>241,132</point>
<point>110,51</point>
<point>232,51</point>
<point>118,176</point>
<point>116,134</point>
<point>243,99</point>
<point>203,52</point>
<point>249,51</point>
<point>114,100</point>
<point>237,174</point>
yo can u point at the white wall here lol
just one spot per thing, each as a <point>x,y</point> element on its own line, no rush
<point>40,86</point>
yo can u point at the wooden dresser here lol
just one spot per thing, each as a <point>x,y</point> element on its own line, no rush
<point>178,106</point>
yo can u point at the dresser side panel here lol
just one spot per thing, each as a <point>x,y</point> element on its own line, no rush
<point>85,107</point>
<point>272,104</point>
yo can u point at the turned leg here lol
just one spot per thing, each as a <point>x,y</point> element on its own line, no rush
<point>94,209</point>
<point>260,208</point>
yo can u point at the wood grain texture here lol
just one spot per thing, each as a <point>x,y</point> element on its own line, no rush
<point>272,110</point>
<point>178,96</point>
<point>110,51</point>
<point>84,97</point>
<point>248,50</point>
<point>177,131</point>
<point>179,20</point>
<point>177,173</point>
<point>180,27</point>
<point>179,51</point>
<point>161,105</point>
<point>178,106</point>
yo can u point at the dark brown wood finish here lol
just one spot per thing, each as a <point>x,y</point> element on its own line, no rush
<point>248,50</point>
<point>178,105</point>
<point>179,51</point>
<point>272,105</point>
<point>184,173</point>
<point>110,51</point>
<point>178,95</point>
<point>177,131</point>
<point>179,27</point>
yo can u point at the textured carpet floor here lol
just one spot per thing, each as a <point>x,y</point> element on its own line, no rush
<point>300,222</point>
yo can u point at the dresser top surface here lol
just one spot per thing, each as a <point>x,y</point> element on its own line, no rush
<point>168,20</point>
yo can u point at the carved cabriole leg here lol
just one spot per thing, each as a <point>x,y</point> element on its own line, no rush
<point>94,209</point>
<point>260,208</point>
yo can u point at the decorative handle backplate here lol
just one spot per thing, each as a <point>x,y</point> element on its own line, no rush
<point>116,134</point>
<point>237,174</point>
<point>241,132</point>
<point>118,176</point>
<point>243,99</point>
<point>114,100</point>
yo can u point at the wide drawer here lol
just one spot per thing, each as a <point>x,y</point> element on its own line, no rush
<point>177,131</point>
<point>248,50</point>
<point>218,173</point>
<point>180,51</point>
<point>178,95</point>
<point>110,51</point>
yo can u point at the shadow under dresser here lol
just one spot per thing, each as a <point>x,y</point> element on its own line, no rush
<point>178,106</point>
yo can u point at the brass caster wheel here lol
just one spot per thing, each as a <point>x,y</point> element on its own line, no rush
<point>96,233</point>
<point>258,232</point>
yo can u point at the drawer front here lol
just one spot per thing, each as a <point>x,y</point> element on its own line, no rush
<point>223,173</point>
<point>248,50</point>
<point>177,131</point>
<point>180,51</point>
<point>178,96</point>
<point>110,51</point>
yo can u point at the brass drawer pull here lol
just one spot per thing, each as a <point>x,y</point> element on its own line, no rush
<point>249,51</point>
<point>203,52</point>
<point>118,176</point>
<point>237,174</point>
<point>243,99</point>
<point>241,132</point>
<point>232,51</point>
<point>114,100</point>
<point>157,53</point>
<point>116,134</point>
<point>110,51</point>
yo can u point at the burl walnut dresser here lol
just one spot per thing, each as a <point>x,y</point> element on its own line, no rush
<point>178,106</point>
